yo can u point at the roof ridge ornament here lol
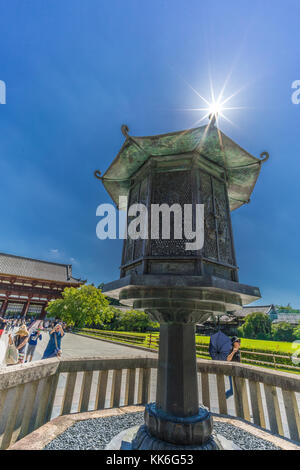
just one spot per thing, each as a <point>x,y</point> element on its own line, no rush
<point>212,118</point>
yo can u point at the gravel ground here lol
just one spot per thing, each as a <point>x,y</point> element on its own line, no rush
<point>95,434</point>
<point>243,439</point>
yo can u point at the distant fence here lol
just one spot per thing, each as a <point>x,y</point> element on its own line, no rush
<point>30,392</point>
<point>151,341</point>
<point>114,335</point>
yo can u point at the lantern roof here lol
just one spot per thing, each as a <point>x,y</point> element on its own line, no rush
<point>207,143</point>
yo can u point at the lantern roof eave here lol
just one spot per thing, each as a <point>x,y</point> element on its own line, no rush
<point>240,167</point>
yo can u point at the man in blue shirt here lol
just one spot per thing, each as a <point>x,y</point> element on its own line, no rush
<point>32,343</point>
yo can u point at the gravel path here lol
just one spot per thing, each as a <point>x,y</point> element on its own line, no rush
<point>243,439</point>
<point>95,434</point>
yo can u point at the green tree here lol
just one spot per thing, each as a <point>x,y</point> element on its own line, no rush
<point>297,332</point>
<point>110,299</point>
<point>257,326</point>
<point>113,323</point>
<point>81,306</point>
<point>134,320</point>
<point>283,331</point>
<point>286,309</point>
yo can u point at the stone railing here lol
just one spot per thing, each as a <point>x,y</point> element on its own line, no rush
<point>266,398</point>
<point>32,394</point>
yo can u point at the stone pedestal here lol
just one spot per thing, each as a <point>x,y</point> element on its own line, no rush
<point>176,420</point>
<point>177,386</point>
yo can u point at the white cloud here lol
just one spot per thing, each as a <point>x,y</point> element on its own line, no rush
<point>54,252</point>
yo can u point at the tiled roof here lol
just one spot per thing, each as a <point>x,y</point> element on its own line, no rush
<point>293,318</point>
<point>36,269</point>
<point>243,311</point>
<point>223,319</point>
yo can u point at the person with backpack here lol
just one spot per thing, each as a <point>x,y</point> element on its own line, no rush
<point>34,336</point>
<point>234,356</point>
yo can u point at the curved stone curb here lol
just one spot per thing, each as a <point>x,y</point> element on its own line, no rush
<point>38,439</point>
<point>283,443</point>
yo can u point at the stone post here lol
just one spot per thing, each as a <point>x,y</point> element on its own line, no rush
<point>175,420</point>
<point>177,387</point>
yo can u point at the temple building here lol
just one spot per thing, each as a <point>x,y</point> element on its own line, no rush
<point>27,285</point>
<point>230,322</point>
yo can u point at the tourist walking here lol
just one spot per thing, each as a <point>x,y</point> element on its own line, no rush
<point>233,356</point>
<point>222,348</point>
<point>19,340</point>
<point>34,336</point>
<point>53,348</point>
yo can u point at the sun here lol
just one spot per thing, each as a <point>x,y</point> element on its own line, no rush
<point>216,106</point>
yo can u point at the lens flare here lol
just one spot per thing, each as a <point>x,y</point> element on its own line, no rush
<point>215,107</point>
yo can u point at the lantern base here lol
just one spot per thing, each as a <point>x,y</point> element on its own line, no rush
<point>190,430</point>
<point>164,431</point>
<point>143,440</point>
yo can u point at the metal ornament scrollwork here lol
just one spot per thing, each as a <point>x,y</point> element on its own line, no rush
<point>97,174</point>
<point>125,130</point>
<point>266,155</point>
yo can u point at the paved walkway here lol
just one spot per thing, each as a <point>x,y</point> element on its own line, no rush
<point>78,346</point>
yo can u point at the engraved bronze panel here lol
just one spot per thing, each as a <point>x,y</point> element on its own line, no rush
<point>171,188</point>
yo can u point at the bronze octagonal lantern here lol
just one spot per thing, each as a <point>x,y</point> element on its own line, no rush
<point>180,287</point>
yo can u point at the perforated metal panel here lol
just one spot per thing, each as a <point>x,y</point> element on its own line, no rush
<point>171,188</point>
<point>181,187</point>
<point>217,238</point>
<point>210,236</point>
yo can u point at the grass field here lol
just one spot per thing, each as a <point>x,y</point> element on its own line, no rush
<point>150,340</point>
<point>124,337</point>
<point>251,344</point>
<point>257,345</point>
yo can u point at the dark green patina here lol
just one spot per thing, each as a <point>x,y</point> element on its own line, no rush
<point>207,144</point>
<point>176,286</point>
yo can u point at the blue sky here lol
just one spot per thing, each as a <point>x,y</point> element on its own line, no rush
<point>75,70</point>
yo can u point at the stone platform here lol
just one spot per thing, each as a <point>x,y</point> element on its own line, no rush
<point>78,430</point>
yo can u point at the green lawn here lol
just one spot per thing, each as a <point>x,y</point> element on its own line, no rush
<point>254,352</point>
<point>256,344</point>
<point>251,344</point>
